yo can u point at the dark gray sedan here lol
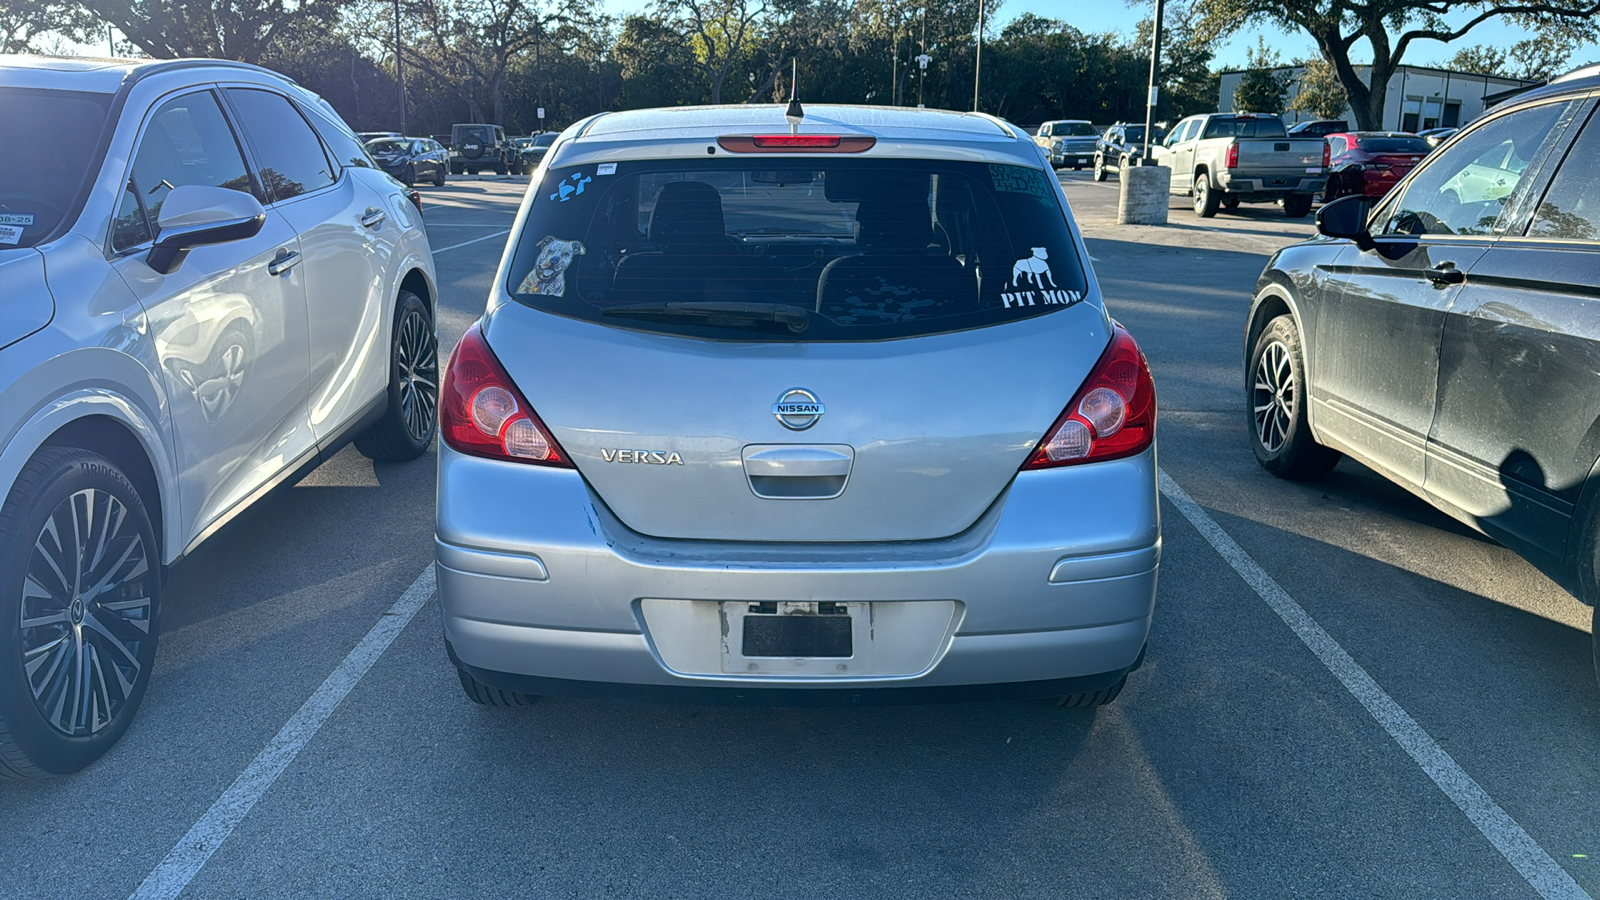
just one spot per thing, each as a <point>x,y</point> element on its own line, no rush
<point>411,159</point>
<point>1450,337</point>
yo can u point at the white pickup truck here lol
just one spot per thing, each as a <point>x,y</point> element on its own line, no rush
<point>1224,159</point>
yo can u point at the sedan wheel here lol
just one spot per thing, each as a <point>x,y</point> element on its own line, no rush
<point>1275,389</point>
<point>78,616</point>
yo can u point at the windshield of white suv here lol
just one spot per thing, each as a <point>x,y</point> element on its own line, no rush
<point>37,189</point>
<point>797,249</point>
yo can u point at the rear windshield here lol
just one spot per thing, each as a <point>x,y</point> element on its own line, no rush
<point>834,250</point>
<point>1246,127</point>
<point>37,189</point>
<point>1393,145</point>
<point>483,133</point>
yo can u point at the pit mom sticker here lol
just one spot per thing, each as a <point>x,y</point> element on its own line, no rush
<point>1035,271</point>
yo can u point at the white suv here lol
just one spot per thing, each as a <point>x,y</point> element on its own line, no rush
<point>208,288</point>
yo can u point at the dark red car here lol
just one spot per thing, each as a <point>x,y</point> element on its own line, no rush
<point>1371,162</point>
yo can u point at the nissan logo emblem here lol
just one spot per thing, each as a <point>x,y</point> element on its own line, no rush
<point>798,409</point>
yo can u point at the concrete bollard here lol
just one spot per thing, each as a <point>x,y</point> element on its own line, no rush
<point>1143,199</point>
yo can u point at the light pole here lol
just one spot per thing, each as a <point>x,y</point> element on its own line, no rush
<point>977,68</point>
<point>399,71</point>
<point>1155,75</point>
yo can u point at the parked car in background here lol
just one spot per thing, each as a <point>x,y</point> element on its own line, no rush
<point>208,289</point>
<point>779,522</point>
<point>411,159</point>
<point>478,148</point>
<point>1445,335</point>
<point>1437,136</point>
<point>1224,159</point>
<point>1070,142</point>
<point>368,136</point>
<point>530,150</point>
<point>1121,145</point>
<point>1371,162</point>
<point>1318,128</point>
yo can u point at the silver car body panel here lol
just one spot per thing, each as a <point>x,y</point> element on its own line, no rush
<point>107,351</point>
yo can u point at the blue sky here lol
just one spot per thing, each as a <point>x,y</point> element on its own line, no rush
<point>1118,15</point>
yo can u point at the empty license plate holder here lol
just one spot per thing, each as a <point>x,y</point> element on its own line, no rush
<point>797,638</point>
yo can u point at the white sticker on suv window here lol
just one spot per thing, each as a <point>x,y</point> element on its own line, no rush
<point>10,234</point>
<point>23,219</point>
<point>606,169</point>
<point>1033,272</point>
<point>549,275</point>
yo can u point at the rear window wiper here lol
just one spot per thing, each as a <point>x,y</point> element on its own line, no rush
<point>796,317</point>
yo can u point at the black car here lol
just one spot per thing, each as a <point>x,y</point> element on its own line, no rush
<point>410,159</point>
<point>1446,337</point>
<point>531,150</point>
<point>1122,144</point>
<point>1318,128</point>
<point>475,148</point>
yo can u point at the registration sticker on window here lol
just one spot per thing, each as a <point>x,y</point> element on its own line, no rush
<point>10,234</point>
<point>23,219</point>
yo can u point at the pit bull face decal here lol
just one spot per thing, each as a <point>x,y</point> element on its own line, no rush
<point>549,275</point>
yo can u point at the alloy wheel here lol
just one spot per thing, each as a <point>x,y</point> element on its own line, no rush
<point>1274,396</point>
<point>417,367</point>
<point>86,612</point>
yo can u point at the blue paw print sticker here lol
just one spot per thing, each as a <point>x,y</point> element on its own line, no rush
<point>571,187</point>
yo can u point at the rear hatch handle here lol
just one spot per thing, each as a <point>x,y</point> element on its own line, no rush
<point>798,471</point>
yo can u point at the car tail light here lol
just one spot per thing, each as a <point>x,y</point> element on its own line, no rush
<point>481,413</point>
<point>415,198</point>
<point>791,143</point>
<point>1112,416</point>
<point>1327,154</point>
<point>1232,161</point>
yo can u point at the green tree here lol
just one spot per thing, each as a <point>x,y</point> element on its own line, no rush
<point>1320,96</point>
<point>1262,89</point>
<point>1533,59</point>
<point>1390,28</point>
<point>723,34</point>
<point>23,23</point>
<point>243,30</point>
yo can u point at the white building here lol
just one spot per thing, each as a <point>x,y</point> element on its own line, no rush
<point>1419,97</point>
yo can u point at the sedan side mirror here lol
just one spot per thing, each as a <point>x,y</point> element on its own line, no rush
<point>197,215</point>
<point>1346,218</point>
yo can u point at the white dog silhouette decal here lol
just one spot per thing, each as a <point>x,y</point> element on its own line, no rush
<point>1033,269</point>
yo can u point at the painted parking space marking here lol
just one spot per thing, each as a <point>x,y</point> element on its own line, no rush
<point>473,241</point>
<point>1515,844</point>
<point>189,855</point>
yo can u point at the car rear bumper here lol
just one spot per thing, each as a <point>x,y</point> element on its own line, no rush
<point>1272,183</point>
<point>1050,592</point>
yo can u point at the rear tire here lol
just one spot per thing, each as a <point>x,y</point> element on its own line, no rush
<point>93,650</point>
<point>411,419</point>
<point>484,695</point>
<point>438,177</point>
<point>1295,206</point>
<point>1205,198</point>
<point>1275,401</point>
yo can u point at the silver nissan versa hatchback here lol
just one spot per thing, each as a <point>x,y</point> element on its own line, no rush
<point>825,410</point>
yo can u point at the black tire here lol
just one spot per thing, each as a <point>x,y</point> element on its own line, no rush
<point>1205,199</point>
<point>57,489</point>
<point>501,169</point>
<point>1230,202</point>
<point>1295,206</point>
<point>1275,404</point>
<point>438,177</point>
<point>1099,169</point>
<point>484,695</point>
<point>409,176</point>
<point>1093,698</point>
<point>411,420</point>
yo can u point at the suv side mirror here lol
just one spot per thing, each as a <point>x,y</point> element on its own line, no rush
<point>1346,218</point>
<point>197,215</point>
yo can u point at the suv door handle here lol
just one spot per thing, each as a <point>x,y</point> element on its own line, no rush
<point>373,217</point>
<point>1446,273</point>
<point>283,262</point>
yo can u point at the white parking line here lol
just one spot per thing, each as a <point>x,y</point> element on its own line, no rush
<point>473,241</point>
<point>185,860</point>
<point>1516,845</point>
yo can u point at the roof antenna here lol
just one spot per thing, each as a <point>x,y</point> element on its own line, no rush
<point>794,113</point>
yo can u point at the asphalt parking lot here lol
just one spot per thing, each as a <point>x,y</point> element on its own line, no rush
<point>1346,695</point>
